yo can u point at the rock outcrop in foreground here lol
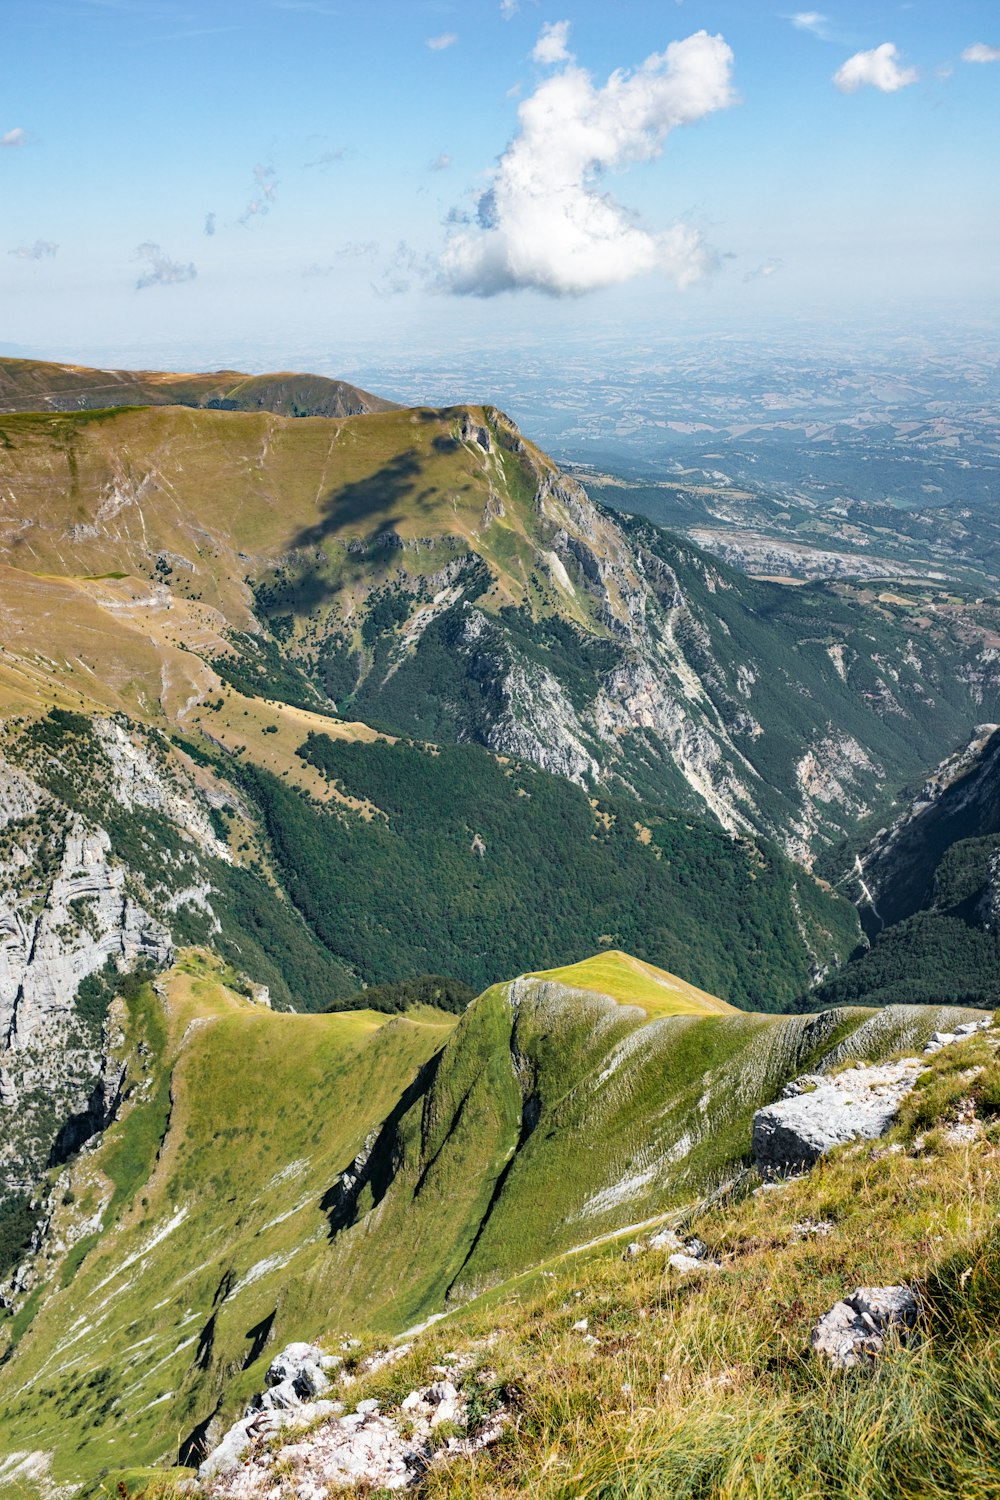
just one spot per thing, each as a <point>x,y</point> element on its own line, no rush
<point>818,1112</point>
<point>388,1450</point>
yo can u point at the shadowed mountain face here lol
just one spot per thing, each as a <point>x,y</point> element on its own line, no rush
<point>33,385</point>
<point>928,890</point>
<point>961,802</point>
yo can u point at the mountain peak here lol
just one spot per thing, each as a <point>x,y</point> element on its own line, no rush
<point>631,981</point>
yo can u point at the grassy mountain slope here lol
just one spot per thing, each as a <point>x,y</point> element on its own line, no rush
<point>702,1387</point>
<point>276,1176</point>
<point>211,1189</point>
<point>35,385</point>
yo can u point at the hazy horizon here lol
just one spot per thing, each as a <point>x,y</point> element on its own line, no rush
<point>287,176</point>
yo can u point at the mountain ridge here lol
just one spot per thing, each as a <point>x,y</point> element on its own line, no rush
<point>36,385</point>
<point>474,1148</point>
<point>433,574</point>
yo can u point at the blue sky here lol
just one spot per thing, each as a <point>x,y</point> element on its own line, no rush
<point>413,175</point>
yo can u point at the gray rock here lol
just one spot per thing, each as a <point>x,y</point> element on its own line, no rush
<point>293,1360</point>
<point>230,1452</point>
<point>281,1397</point>
<point>804,1085</point>
<point>860,1103</point>
<point>685,1264</point>
<point>855,1331</point>
<point>665,1239</point>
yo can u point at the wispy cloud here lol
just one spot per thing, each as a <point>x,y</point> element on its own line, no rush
<point>509,9</point>
<point>160,270</point>
<point>980,52</point>
<point>877,69</point>
<point>552,45</point>
<point>352,250</point>
<point>210,224</point>
<point>265,187</point>
<point>764,271</point>
<point>440,163</point>
<point>403,268</point>
<point>547,222</point>
<point>439,43</point>
<point>328,158</point>
<point>15,137</point>
<point>40,250</point>
<point>812,21</point>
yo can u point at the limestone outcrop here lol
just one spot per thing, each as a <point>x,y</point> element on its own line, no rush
<point>855,1331</point>
<point>821,1112</point>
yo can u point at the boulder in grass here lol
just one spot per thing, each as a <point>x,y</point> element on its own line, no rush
<point>858,1104</point>
<point>855,1331</point>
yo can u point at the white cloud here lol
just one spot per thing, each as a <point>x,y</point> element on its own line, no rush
<point>439,43</point>
<point>879,68</point>
<point>15,137</point>
<point>509,9</point>
<point>764,271</point>
<point>979,52</point>
<point>40,250</point>
<point>811,20</point>
<point>440,163</point>
<point>552,45</point>
<point>210,223</point>
<point>160,270</point>
<point>546,221</point>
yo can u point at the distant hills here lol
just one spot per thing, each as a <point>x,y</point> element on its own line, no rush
<point>36,385</point>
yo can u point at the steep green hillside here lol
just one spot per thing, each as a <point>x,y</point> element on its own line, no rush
<point>205,1192</point>
<point>277,1176</point>
<point>478,866</point>
<point>626,1380</point>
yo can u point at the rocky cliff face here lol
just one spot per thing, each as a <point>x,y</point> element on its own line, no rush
<point>434,573</point>
<point>896,872</point>
<point>76,901</point>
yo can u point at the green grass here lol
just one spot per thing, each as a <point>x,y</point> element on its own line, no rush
<point>632,982</point>
<point>495,1146</point>
<point>129,1148</point>
<point>266,1110</point>
<point>704,1387</point>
